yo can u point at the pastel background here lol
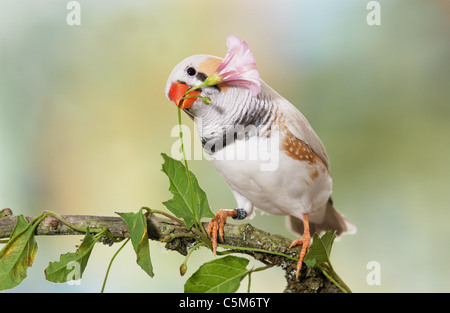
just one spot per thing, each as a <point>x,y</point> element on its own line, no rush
<point>84,118</point>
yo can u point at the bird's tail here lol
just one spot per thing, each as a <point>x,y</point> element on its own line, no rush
<point>332,220</point>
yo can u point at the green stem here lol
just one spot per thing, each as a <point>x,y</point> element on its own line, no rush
<point>183,266</point>
<point>152,211</point>
<point>187,167</point>
<point>101,233</point>
<point>341,282</point>
<point>258,250</point>
<point>170,237</point>
<point>335,278</point>
<point>329,276</point>
<point>80,229</point>
<point>206,100</point>
<point>38,219</point>
<point>98,231</point>
<point>212,80</point>
<point>209,81</point>
<point>262,268</point>
<point>202,234</point>
<point>196,87</point>
<point>110,263</point>
<point>249,281</point>
<point>34,221</point>
<point>197,224</point>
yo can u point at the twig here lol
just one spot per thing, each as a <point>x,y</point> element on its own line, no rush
<point>272,250</point>
<point>110,263</point>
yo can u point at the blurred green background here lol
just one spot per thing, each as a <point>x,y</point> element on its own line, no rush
<point>84,118</point>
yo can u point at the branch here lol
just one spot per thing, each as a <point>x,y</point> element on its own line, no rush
<point>272,250</point>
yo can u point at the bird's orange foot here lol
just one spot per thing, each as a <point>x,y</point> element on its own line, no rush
<point>216,225</point>
<point>305,241</point>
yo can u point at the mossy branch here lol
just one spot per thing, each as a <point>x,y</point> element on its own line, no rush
<point>272,250</point>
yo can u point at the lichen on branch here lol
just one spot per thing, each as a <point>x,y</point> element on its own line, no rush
<point>272,250</point>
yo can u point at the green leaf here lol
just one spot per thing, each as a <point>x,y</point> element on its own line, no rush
<point>71,265</point>
<point>220,275</point>
<point>19,252</point>
<point>182,205</point>
<point>319,254</point>
<point>320,249</point>
<point>137,225</point>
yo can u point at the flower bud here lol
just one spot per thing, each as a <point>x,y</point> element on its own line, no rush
<point>183,269</point>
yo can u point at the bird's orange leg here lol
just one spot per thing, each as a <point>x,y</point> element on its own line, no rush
<point>305,241</point>
<point>216,225</point>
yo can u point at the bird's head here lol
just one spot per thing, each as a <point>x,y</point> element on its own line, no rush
<point>211,77</point>
<point>189,73</point>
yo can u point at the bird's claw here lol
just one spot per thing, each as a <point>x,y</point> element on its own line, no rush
<point>305,242</point>
<point>216,226</point>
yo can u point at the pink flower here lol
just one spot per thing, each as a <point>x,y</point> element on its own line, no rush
<point>239,66</point>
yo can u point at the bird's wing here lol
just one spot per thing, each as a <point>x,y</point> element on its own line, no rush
<point>297,124</point>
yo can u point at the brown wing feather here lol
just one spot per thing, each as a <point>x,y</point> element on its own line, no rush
<point>297,124</point>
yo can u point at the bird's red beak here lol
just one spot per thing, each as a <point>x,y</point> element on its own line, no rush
<point>176,93</point>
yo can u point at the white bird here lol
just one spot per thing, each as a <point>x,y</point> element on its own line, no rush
<point>264,149</point>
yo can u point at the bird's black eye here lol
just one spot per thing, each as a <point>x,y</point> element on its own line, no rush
<point>191,71</point>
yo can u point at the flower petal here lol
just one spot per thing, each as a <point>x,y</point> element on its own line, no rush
<point>239,66</point>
